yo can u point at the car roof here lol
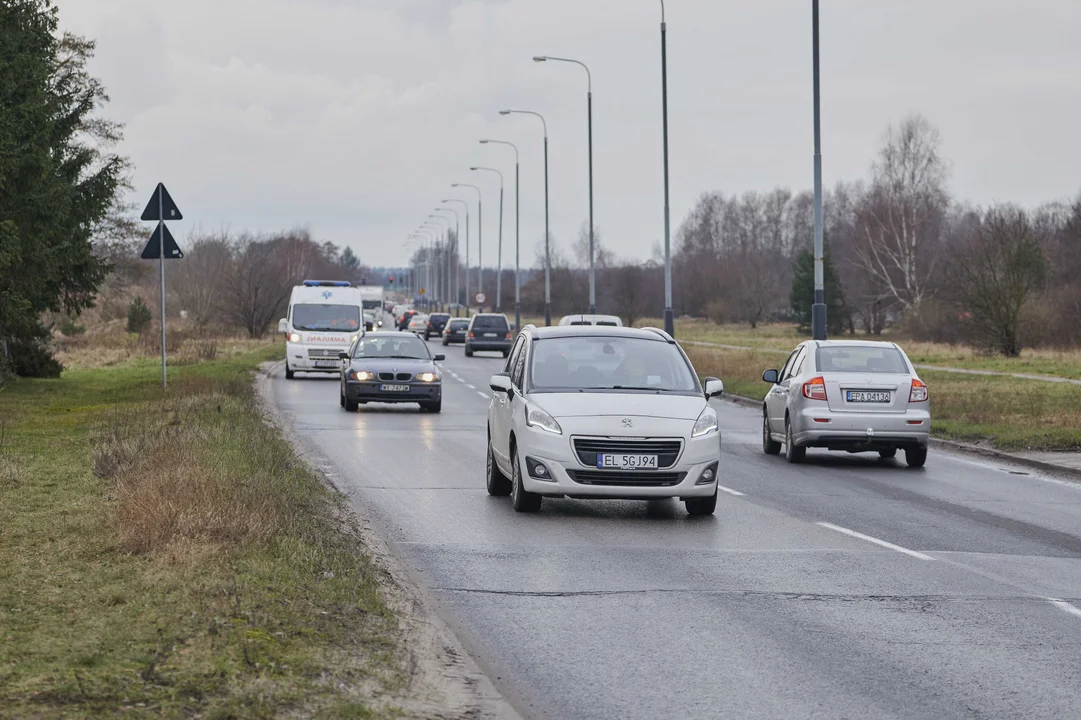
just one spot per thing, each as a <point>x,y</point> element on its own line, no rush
<point>387,334</point>
<point>856,343</point>
<point>556,331</point>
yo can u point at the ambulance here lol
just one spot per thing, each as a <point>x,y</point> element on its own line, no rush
<point>325,317</point>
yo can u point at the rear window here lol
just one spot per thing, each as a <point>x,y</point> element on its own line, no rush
<point>490,322</point>
<point>459,324</point>
<point>861,359</point>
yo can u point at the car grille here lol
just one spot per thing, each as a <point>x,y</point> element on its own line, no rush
<point>323,353</point>
<point>667,451</point>
<point>632,478</point>
<point>391,376</point>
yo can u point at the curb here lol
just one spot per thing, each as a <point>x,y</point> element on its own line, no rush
<point>1073,474</point>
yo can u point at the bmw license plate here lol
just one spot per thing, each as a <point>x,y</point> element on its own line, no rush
<point>867,396</point>
<point>394,388</point>
<point>627,462</point>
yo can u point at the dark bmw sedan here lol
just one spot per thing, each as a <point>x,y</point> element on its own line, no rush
<point>389,367</point>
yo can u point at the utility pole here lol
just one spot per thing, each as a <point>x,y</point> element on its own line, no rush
<point>818,310</point>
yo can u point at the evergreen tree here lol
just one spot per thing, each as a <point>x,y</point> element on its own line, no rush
<point>802,295</point>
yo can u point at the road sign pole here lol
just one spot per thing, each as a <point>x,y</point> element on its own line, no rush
<point>161,261</point>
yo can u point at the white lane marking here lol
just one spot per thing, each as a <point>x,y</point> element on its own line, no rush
<point>730,491</point>
<point>482,394</point>
<point>471,387</point>
<point>876,541</point>
<point>1064,606</point>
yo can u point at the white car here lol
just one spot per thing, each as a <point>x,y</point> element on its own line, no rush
<point>602,412</point>
<point>418,324</point>
<point>856,396</point>
<point>609,320</point>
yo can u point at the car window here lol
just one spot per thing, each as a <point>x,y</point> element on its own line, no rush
<point>783,375</point>
<point>861,359</point>
<point>608,323</point>
<point>515,351</point>
<point>490,322</point>
<point>798,363</point>
<point>517,375</point>
<point>598,363</point>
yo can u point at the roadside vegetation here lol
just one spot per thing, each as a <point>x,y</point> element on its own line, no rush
<point>171,556</point>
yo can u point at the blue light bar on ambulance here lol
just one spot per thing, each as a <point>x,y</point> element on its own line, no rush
<point>326,283</point>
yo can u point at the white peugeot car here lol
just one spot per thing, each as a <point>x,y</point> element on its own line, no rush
<point>602,412</point>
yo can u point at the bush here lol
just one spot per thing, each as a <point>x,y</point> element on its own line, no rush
<point>139,316</point>
<point>32,357</point>
<point>69,328</point>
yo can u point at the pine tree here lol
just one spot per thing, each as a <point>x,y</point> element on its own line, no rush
<point>802,295</point>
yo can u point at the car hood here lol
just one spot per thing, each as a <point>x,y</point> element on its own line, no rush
<point>678,407</point>
<point>393,365</point>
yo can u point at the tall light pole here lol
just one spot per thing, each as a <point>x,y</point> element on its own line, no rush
<point>466,206</point>
<point>517,236</point>
<point>446,261</point>
<point>499,264</point>
<point>547,252</point>
<point>589,123</point>
<point>669,317</point>
<point>452,264</point>
<point>480,244</point>
<point>818,310</point>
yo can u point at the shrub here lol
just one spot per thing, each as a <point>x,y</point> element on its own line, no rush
<point>69,328</point>
<point>31,357</point>
<point>139,316</point>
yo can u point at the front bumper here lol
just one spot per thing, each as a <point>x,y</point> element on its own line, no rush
<point>418,392</point>
<point>296,355</point>
<point>861,431</point>
<point>569,477</point>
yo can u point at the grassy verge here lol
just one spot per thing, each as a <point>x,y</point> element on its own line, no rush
<point>1004,412</point>
<point>170,556</point>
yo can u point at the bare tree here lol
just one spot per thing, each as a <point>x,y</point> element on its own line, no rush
<point>200,279</point>
<point>259,284</point>
<point>901,216</point>
<point>629,291</point>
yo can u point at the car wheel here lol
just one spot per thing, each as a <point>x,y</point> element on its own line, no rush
<point>425,337</point>
<point>497,482</point>
<point>525,502</point>
<point>887,454</point>
<point>702,505</point>
<point>916,456</point>
<point>506,353</point>
<point>341,396</point>
<point>350,405</point>
<point>289,374</point>
<point>445,342</point>
<point>433,407</point>
<point>792,453</point>
<point>468,351</point>
<point>769,445</point>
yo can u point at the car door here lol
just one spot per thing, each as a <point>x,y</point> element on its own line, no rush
<point>500,408</point>
<point>778,395</point>
<point>516,402</point>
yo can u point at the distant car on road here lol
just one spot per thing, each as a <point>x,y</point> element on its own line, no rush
<point>436,323</point>
<point>488,331</point>
<point>418,323</point>
<point>389,367</point>
<point>846,395</point>
<point>608,320</point>
<point>595,412</point>
<point>403,316</point>
<point>455,331</point>
<point>369,321</point>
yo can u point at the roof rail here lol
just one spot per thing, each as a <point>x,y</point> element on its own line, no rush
<point>326,283</point>
<point>668,338</point>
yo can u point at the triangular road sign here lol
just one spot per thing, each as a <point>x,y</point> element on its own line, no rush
<point>152,251</point>
<point>168,207</point>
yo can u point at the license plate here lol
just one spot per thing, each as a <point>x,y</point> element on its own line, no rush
<point>327,363</point>
<point>627,462</point>
<point>394,388</point>
<point>490,334</point>
<point>867,396</point>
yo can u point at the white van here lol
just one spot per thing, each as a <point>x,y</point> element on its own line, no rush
<point>371,300</point>
<point>325,317</point>
<point>609,320</point>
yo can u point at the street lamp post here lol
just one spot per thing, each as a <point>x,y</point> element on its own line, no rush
<point>818,310</point>
<point>589,123</point>
<point>480,245</point>
<point>446,261</point>
<point>669,318</point>
<point>466,206</point>
<point>452,265</point>
<point>517,237</point>
<point>499,263</point>
<point>547,252</point>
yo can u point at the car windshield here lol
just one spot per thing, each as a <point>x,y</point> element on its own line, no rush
<point>597,363</point>
<point>392,347</point>
<point>490,322</point>
<point>861,359</point>
<point>336,318</point>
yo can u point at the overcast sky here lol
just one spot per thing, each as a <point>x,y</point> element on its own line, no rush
<point>353,117</point>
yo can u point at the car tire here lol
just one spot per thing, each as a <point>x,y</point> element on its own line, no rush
<point>351,405</point>
<point>498,483</point>
<point>468,351</point>
<point>426,337</point>
<point>523,501</point>
<point>915,457</point>
<point>341,396</point>
<point>289,374</point>
<point>888,454</point>
<point>433,407</point>
<point>445,342</point>
<point>506,353</point>
<point>792,453</point>
<point>701,506</point>
<point>769,445</point>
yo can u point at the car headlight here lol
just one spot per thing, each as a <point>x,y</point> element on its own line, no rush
<point>706,422</point>
<point>535,417</point>
<point>294,337</point>
<point>427,377</point>
<point>360,375</point>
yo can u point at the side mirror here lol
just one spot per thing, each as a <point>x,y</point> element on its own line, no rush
<point>283,325</point>
<point>770,376</point>
<point>500,383</point>
<point>714,388</point>
<point>440,358</point>
<point>343,356</point>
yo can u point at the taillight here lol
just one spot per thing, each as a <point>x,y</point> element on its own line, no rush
<point>815,388</point>
<point>507,337</point>
<point>472,335</point>
<point>918,393</point>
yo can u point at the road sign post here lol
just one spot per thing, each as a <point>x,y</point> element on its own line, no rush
<point>163,247</point>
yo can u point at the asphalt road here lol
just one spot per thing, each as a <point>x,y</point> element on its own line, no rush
<point>847,587</point>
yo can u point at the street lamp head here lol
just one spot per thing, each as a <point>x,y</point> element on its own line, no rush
<point>504,112</point>
<point>539,58</point>
<point>483,142</point>
<point>472,168</point>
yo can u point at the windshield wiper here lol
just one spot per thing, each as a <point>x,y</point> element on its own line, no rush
<point>630,387</point>
<point>401,357</point>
